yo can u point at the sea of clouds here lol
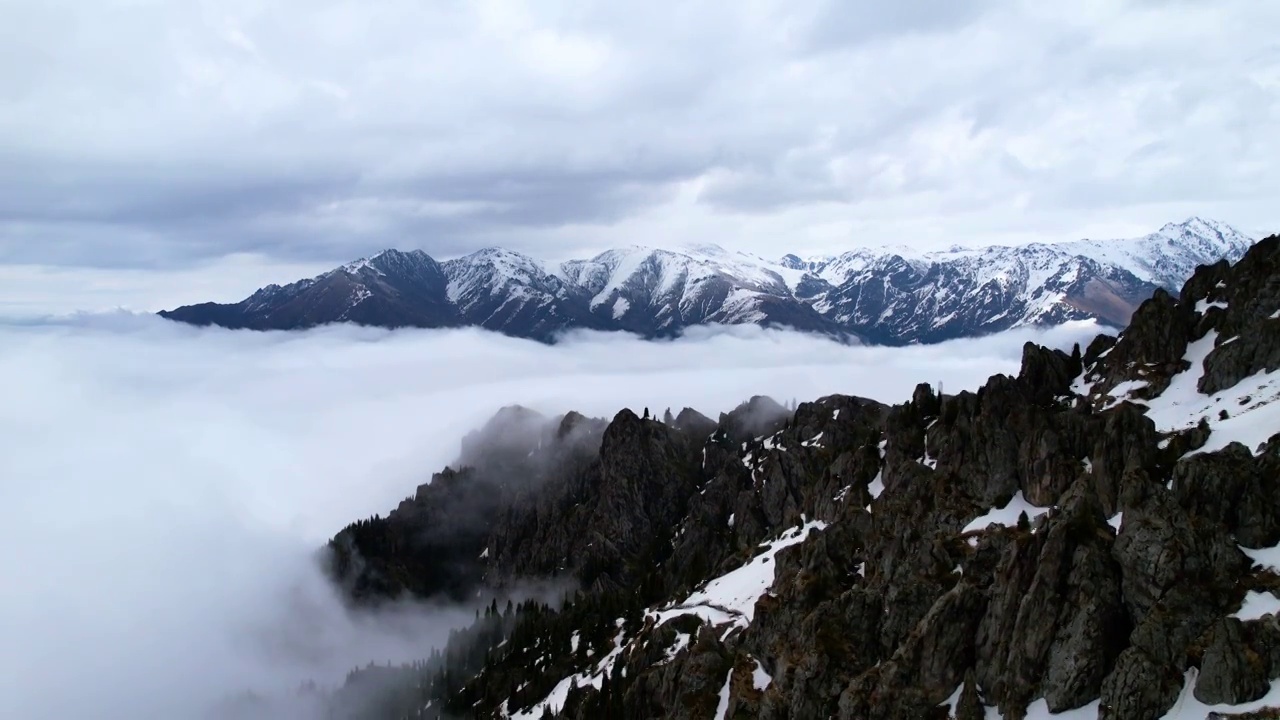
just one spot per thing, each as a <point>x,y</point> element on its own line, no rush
<point>163,488</point>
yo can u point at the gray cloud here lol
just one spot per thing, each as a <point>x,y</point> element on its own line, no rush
<point>169,133</point>
<point>841,24</point>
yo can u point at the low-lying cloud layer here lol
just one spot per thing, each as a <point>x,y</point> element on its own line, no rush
<point>163,488</point>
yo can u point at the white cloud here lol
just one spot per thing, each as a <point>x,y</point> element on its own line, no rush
<point>163,486</point>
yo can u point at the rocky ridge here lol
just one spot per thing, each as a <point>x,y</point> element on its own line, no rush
<point>1098,535</point>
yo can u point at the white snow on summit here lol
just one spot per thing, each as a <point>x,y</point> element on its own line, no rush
<point>889,295</point>
<point>1168,256</point>
<point>678,282</point>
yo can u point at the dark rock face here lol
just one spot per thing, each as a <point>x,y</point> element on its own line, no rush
<point>877,296</point>
<point>1152,347</point>
<point>1256,329</point>
<point>1231,672</point>
<point>1178,575</point>
<point>1245,500</point>
<point>907,594</point>
<point>1138,687</point>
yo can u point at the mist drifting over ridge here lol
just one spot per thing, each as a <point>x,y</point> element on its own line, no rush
<point>165,488</point>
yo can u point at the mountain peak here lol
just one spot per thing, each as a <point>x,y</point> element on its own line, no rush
<point>384,261</point>
<point>494,254</point>
<point>707,249</point>
<point>356,266</point>
<point>794,262</point>
<point>1200,225</point>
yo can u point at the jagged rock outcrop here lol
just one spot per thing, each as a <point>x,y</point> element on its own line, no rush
<point>1231,672</point>
<point>1246,496</point>
<point>1252,293</point>
<point>1051,539</point>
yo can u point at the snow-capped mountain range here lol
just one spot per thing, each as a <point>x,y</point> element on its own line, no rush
<point>891,295</point>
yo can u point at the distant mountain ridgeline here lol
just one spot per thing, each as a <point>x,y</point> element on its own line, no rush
<point>889,296</point>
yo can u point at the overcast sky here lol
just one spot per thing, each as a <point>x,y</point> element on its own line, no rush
<point>154,143</point>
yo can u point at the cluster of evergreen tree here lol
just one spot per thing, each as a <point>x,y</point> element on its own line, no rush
<point>431,688</point>
<point>425,548</point>
<point>515,654</point>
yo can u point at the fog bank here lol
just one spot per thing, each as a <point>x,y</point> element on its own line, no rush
<point>163,487</point>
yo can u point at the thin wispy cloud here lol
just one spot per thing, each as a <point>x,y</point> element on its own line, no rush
<point>164,487</point>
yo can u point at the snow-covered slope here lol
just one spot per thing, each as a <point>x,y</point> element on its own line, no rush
<point>658,292</point>
<point>1218,380</point>
<point>501,290</point>
<point>1168,256</point>
<point>892,295</point>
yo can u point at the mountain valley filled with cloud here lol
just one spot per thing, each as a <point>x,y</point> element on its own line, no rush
<point>177,482</point>
<point>551,360</point>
